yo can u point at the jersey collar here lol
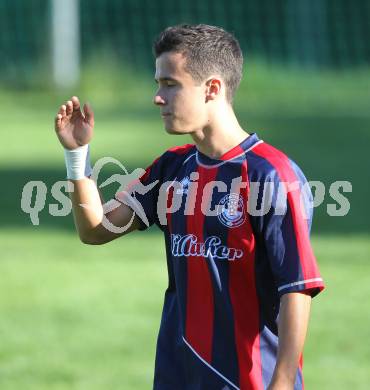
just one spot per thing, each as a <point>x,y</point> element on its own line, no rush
<point>235,154</point>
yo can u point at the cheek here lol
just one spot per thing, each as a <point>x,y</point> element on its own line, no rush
<point>190,104</point>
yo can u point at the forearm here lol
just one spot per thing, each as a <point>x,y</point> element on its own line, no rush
<point>94,222</point>
<point>87,207</point>
<point>292,328</point>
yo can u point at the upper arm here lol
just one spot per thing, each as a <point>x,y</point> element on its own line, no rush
<point>296,298</point>
<point>285,228</point>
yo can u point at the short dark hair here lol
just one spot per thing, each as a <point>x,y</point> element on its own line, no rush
<point>207,49</point>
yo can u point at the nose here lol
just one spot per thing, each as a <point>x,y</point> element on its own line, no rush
<point>158,100</point>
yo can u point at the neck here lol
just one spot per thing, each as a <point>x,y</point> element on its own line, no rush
<point>222,133</point>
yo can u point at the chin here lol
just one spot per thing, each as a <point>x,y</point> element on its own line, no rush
<point>175,131</point>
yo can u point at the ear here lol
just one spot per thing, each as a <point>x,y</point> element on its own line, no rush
<point>213,88</point>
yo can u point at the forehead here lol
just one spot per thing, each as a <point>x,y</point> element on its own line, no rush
<point>171,65</point>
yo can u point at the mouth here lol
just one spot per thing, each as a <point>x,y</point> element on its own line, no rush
<point>164,114</point>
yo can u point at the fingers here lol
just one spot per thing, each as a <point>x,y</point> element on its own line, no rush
<point>58,121</point>
<point>89,114</point>
<point>76,103</point>
<point>62,110</point>
<point>73,106</point>
<point>69,107</point>
<point>59,117</point>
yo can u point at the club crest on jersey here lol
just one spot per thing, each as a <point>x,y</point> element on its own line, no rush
<point>232,212</point>
<point>184,186</point>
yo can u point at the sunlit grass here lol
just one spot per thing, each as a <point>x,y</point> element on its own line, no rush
<point>76,316</point>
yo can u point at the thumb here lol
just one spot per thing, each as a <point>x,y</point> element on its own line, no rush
<point>89,114</point>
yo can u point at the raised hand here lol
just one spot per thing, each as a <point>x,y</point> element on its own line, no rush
<point>74,128</point>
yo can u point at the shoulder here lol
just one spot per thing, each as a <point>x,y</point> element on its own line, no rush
<point>181,150</point>
<point>176,155</point>
<point>269,163</point>
<point>167,163</point>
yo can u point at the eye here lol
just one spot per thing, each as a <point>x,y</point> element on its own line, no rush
<point>166,83</point>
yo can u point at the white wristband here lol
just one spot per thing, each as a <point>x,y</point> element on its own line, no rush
<point>78,162</point>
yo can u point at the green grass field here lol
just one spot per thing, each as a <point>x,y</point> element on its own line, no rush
<point>81,317</point>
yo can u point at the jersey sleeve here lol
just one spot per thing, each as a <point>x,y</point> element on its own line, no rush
<point>285,230</point>
<point>142,194</point>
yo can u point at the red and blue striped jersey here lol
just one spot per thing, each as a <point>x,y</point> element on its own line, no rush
<point>231,255</point>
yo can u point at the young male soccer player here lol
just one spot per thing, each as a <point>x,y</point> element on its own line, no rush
<point>237,305</point>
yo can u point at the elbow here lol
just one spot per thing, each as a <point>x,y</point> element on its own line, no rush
<point>90,240</point>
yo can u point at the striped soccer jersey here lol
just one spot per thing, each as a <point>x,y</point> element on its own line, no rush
<point>231,255</point>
